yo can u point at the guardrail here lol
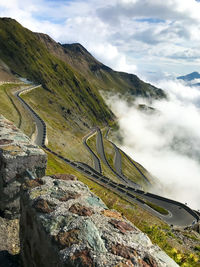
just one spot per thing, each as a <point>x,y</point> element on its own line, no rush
<point>194,214</point>
<point>10,82</point>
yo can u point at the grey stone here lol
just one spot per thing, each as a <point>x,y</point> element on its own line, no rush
<point>59,237</point>
<point>90,232</point>
<point>17,156</point>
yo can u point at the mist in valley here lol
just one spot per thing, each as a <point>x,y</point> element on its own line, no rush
<point>165,139</point>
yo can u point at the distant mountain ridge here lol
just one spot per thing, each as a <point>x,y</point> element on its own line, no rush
<point>190,76</point>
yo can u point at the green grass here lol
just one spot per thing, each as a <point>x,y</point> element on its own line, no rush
<point>157,208</point>
<point>183,257</point>
<point>132,173</point>
<point>61,132</point>
<point>191,236</point>
<point>12,109</point>
<point>109,153</point>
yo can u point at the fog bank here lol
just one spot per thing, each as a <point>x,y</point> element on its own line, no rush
<point>166,141</point>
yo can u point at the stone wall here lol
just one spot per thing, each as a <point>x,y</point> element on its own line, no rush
<point>63,224</point>
<point>19,159</point>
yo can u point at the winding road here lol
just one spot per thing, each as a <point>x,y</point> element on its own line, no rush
<point>178,213</point>
<point>101,152</point>
<point>97,162</point>
<point>118,160</point>
<point>40,125</point>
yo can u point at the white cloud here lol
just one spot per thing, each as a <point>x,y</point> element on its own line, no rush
<point>166,143</point>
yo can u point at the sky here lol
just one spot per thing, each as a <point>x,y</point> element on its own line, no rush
<point>150,38</point>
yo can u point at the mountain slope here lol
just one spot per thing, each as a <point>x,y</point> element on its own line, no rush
<point>190,76</point>
<point>60,69</point>
<point>108,79</point>
<point>69,100</point>
<point>21,50</point>
<point>101,76</point>
<point>5,73</point>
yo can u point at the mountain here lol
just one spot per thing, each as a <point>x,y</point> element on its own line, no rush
<point>189,77</point>
<point>26,56</point>
<point>31,54</point>
<point>69,100</point>
<point>101,76</point>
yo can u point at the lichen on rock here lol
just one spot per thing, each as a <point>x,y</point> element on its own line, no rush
<point>70,226</point>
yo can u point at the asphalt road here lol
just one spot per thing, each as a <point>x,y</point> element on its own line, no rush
<point>101,152</point>
<point>97,163</point>
<point>118,160</point>
<point>117,157</point>
<point>178,213</point>
<point>39,123</point>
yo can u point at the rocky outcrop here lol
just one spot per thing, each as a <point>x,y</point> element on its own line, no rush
<point>6,75</point>
<point>19,159</point>
<point>64,224</point>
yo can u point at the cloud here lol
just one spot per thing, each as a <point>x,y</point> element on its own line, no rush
<point>168,10</point>
<point>151,34</point>
<point>166,142</point>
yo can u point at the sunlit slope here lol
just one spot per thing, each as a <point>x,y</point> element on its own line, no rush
<point>72,94</point>
<point>101,76</point>
<point>106,78</point>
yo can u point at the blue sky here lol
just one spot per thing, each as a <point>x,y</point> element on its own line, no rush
<point>137,36</point>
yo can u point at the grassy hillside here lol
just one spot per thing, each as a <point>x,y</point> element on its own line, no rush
<point>101,76</point>
<point>107,79</point>
<point>69,100</point>
<point>5,73</point>
<point>21,50</point>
